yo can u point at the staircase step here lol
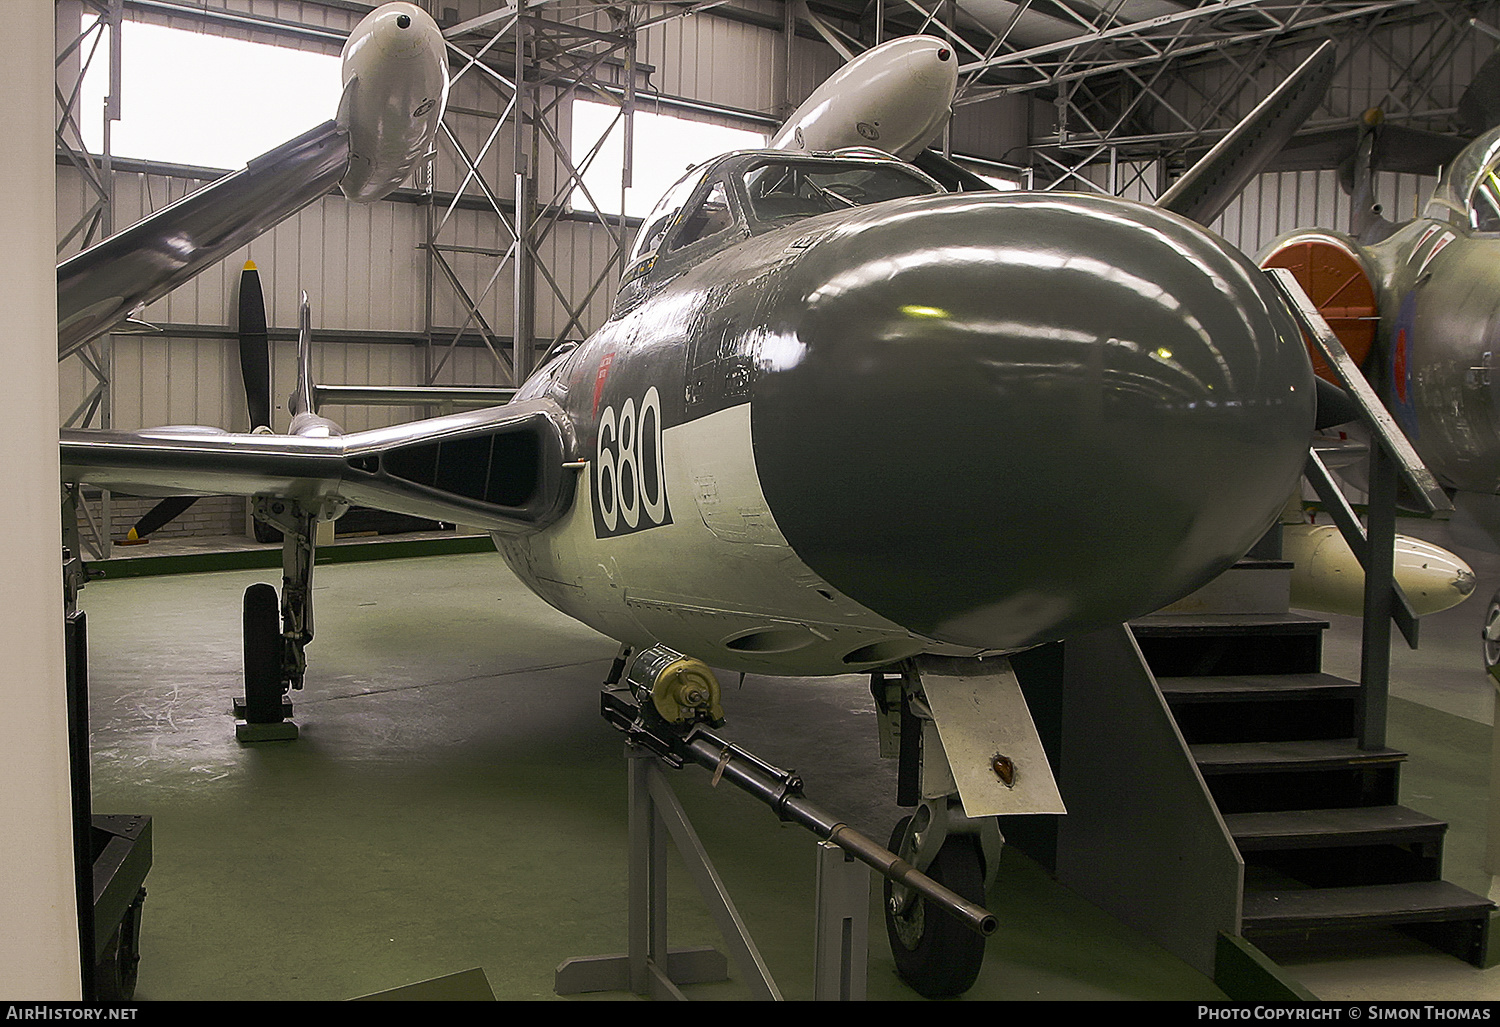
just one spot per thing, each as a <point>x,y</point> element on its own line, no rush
<point>1214,644</point>
<point>1250,586</point>
<point>1262,707</point>
<point>1178,624</point>
<point>1255,687</point>
<point>1299,754</point>
<point>1333,828</point>
<point>1381,905</point>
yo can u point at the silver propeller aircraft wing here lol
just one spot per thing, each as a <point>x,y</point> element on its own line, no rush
<point>395,76</point>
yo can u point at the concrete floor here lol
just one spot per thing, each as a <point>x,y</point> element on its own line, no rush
<point>456,801</point>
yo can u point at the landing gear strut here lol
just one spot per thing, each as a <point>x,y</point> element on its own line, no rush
<point>275,638</point>
<point>935,955</point>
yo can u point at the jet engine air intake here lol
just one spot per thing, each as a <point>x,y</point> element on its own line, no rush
<point>513,468</point>
<point>1330,271</point>
<point>499,469</point>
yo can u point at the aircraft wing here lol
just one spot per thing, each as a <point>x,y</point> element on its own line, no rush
<point>1397,148</point>
<point>500,468</point>
<point>100,287</point>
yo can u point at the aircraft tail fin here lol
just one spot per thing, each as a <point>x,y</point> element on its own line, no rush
<point>1212,184</point>
<point>301,403</point>
<point>949,174</point>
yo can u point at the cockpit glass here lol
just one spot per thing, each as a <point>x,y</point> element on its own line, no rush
<point>710,217</point>
<point>1484,202</point>
<point>664,214</point>
<point>798,190</point>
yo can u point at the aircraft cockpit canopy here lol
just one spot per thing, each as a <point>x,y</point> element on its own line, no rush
<point>785,189</point>
<point>1484,201</point>
<point>1468,193</point>
<point>751,192</point>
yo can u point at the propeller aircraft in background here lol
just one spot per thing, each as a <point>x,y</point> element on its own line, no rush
<point>839,418</point>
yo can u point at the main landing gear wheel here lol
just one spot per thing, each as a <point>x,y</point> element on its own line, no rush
<point>263,644</point>
<point>935,954</point>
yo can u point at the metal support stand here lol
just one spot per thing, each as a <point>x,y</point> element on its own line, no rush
<point>631,702</point>
<point>651,968</point>
<point>841,959</point>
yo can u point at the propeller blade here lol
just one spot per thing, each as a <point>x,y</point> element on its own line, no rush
<point>167,510</point>
<point>255,348</point>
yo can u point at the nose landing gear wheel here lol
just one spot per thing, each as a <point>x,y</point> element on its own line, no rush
<point>935,954</point>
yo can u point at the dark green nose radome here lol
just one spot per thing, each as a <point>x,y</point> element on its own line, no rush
<point>996,441</point>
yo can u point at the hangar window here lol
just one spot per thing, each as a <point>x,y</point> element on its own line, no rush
<point>664,147</point>
<point>206,101</point>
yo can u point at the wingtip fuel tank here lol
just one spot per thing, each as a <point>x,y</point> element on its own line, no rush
<point>395,75</point>
<point>895,97</point>
<point>1329,578</point>
<point>395,89</point>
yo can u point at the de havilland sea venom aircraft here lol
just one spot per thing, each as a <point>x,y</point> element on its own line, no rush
<point>839,419</point>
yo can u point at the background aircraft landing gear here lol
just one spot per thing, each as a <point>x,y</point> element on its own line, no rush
<point>276,634</point>
<point>265,701</point>
<point>1492,638</point>
<point>934,953</point>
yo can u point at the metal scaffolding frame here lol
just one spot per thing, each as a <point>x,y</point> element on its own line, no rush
<point>80,43</point>
<point>1105,66</point>
<point>535,57</point>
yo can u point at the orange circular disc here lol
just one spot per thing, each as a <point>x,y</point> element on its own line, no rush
<point>1335,281</point>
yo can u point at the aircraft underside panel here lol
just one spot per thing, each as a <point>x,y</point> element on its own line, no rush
<point>718,581</point>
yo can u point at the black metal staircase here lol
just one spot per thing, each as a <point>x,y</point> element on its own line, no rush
<point>1207,739</point>
<point>1316,818</point>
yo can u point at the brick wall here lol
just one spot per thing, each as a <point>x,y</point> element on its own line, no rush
<point>211,515</point>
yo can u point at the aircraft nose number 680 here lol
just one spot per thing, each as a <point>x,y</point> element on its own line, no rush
<point>629,472</point>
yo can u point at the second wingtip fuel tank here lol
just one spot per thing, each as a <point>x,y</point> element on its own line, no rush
<point>894,97</point>
<point>395,75</point>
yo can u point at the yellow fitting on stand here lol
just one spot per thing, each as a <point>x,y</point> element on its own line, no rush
<point>686,689</point>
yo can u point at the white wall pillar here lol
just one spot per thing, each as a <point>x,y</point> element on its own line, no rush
<point>38,919</point>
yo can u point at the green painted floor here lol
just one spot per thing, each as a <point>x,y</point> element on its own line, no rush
<point>456,801</point>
